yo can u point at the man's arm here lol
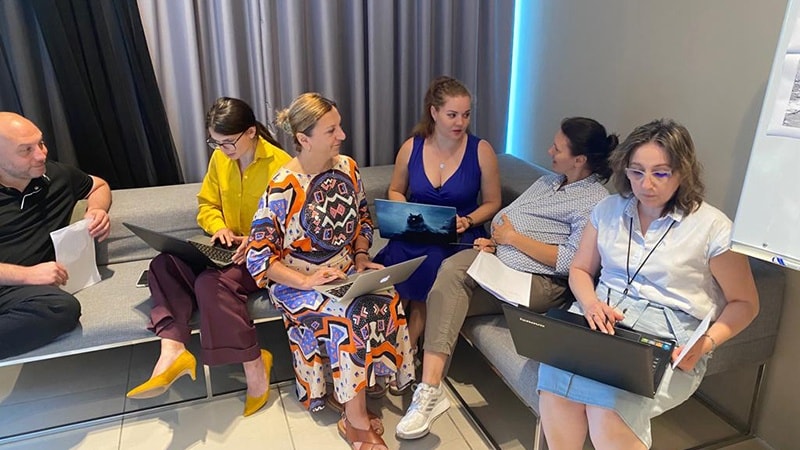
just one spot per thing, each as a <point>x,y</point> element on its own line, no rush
<point>98,202</point>
<point>45,273</point>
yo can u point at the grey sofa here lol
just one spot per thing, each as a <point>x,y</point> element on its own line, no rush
<point>115,311</point>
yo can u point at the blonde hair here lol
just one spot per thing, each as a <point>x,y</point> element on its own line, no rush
<point>302,115</point>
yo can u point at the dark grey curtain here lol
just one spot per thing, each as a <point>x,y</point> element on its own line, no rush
<point>81,71</point>
<point>375,58</point>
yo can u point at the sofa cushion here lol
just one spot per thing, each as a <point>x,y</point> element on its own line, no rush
<point>753,346</point>
<point>756,343</point>
<point>115,313</point>
<point>490,335</point>
<point>170,209</point>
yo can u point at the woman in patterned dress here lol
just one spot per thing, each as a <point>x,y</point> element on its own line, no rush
<point>313,227</point>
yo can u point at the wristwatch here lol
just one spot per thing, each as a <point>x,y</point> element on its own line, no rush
<point>469,219</point>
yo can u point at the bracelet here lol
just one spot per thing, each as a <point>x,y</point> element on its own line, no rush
<point>470,220</point>
<point>713,343</point>
<point>360,252</point>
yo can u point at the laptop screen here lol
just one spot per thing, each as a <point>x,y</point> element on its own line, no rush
<point>416,222</point>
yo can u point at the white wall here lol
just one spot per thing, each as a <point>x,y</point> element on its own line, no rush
<point>705,64</point>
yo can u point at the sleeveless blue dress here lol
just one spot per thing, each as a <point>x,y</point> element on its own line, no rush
<point>461,191</point>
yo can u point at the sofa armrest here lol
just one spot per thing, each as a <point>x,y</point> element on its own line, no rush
<point>756,343</point>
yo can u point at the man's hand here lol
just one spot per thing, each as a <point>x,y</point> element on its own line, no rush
<point>99,224</point>
<point>50,272</point>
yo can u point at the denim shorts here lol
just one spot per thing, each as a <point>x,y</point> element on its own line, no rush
<point>635,410</point>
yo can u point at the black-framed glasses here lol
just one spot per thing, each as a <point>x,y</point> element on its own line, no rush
<point>213,145</point>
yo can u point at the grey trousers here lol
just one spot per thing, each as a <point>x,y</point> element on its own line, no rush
<point>451,300</point>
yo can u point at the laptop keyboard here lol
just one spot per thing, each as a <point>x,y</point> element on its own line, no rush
<point>657,355</point>
<point>664,345</point>
<point>340,290</point>
<point>213,253</point>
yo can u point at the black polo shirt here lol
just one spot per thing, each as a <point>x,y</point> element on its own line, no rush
<point>27,218</point>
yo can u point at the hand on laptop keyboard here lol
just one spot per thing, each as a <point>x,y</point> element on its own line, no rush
<point>322,276</point>
<point>602,316</point>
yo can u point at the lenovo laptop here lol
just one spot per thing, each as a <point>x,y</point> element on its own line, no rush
<point>416,222</point>
<point>190,250</point>
<point>370,281</point>
<point>629,360</point>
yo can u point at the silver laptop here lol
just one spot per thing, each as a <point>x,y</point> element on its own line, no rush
<point>369,281</point>
<point>416,222</point>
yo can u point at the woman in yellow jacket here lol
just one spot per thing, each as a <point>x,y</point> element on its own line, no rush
<point>245,156</point>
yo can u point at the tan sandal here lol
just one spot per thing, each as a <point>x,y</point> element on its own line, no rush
<point>377,390</point>
<point>369,439</point>
<point>375,422</point>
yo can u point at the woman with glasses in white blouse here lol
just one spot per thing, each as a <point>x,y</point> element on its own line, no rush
<point>664,260</point>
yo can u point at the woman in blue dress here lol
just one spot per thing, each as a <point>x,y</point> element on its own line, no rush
<point>441,164</point>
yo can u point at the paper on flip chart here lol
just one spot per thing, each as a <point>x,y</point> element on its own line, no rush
<point>700,331</point>
<point>511,286</point>
<point>75,250</point>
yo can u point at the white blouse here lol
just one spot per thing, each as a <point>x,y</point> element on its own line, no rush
<point>677,273</point>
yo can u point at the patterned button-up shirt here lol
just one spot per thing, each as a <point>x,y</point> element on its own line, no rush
<point>553,214</point>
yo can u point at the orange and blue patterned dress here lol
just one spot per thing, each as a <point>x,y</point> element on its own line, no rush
<point>308,222</point>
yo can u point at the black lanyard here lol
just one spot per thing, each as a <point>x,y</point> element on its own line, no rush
<point>628,259</point>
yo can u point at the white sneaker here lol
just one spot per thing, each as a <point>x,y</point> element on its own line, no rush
<point>428,403</point>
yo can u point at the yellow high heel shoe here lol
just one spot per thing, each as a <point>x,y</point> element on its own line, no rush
<point>253,404</point>
<point>184,364</point>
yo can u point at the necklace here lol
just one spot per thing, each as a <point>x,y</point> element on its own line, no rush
<point>438,152</point>
<point>628,259</point>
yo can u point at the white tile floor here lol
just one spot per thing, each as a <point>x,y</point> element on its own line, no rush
<point>63,390</point>
<point>282,424</point>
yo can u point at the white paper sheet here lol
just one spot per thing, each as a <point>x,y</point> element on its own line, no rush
<point>503,282</point>
<point>75,250</point>
<point>701,330</point>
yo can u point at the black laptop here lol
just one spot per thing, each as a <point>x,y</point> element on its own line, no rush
<point>629,360</point>
<point>190,250</point>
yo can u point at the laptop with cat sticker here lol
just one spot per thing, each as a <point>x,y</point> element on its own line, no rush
<point>416,222</point>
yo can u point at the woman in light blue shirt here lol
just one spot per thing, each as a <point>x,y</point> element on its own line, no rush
<point>665,263</point>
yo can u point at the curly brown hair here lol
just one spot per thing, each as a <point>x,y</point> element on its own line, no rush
<point>674,138</point>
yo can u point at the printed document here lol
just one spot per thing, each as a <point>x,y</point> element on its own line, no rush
<point>75,250</point>
<point>701,329</point>
<point>511,286</point>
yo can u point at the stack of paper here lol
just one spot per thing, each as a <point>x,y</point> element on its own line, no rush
<point>507,284</point>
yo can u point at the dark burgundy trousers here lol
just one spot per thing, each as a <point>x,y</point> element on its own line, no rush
<point>227,334</point>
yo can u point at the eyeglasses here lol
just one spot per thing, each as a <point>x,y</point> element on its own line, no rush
<point>637,175</point>
<point>213,145</point>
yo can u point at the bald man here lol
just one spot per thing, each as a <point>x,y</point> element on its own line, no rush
<point>36,197</point>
